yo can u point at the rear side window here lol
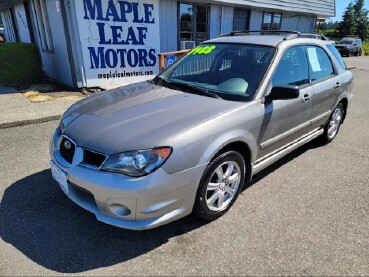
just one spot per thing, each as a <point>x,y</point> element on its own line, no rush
<point>292,69</point>
<point>320,64</point>
<point>337,55</point>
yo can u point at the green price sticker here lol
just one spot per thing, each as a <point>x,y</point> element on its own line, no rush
<point>202,50</point>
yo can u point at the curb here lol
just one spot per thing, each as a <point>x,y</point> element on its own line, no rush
<point>29,121</point>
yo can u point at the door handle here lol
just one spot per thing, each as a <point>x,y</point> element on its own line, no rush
<point>305,98</point>
<point>337,85</point>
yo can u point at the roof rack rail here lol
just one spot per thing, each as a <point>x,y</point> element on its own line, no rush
<point>291,34</point>
<point>317,36</point>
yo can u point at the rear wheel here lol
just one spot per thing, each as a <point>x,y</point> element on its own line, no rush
<point>334,124</point>
<point>220,185</point>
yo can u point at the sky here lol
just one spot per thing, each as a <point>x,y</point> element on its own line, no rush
<point>341,6</point>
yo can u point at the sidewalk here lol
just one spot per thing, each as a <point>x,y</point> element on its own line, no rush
<point>16,110</point>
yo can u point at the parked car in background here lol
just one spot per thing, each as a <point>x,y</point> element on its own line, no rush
<point>188,141</point>
<point>2,34</point>
<point>349,46</point>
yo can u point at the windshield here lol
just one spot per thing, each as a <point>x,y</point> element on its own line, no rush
<point>346,41</point>
<point>229,71</point>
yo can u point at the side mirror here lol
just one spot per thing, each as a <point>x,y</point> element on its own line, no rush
<point>284,92</point>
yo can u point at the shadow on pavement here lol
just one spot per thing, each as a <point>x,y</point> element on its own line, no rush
<point>41,222</point>
<point>315,143</point>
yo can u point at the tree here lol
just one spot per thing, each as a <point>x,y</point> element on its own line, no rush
<point>347,26</point>
<point>328,25</point>
<point>362,21</point>
<point>355,21</point>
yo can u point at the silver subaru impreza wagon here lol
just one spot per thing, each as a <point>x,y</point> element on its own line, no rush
<point>187,141</point>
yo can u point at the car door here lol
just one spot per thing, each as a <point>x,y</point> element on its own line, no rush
<point>325,82</point>
<point>286,120</point>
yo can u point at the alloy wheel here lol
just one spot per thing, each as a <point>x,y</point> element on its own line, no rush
<point>223,186</point>
<point>335,122</point>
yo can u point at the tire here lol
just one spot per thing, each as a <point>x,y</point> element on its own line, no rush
<point>334,124</point>
<point>220,185</point>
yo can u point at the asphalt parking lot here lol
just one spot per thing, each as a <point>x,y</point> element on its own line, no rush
<point>308,214</point>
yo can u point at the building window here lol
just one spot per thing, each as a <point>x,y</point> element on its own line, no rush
<point>42,24</point>
<point>193,22</point>
<point>27,8</point>
<point>271,21</point>
<point>240,20</point>
<point>14,24</point>
<point>10,24</point>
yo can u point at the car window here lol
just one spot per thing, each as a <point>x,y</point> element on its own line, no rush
<point>337,55</point>
<point>320,64</point>
<point>232,71</point>
<point>292,69</point>
<point>346,41</point>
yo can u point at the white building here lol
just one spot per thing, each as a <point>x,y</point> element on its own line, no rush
<point>103,43</point>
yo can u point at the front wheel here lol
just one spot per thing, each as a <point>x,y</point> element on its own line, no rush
<point>220,185</point>
<point>334,124</point>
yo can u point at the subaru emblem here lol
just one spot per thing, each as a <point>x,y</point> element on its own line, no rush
<point>67,145</point>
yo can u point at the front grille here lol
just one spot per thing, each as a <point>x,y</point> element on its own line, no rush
<point>93,158</point>
<point>67,148</point>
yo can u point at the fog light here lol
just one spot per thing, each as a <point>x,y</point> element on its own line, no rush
<point>120,210</point>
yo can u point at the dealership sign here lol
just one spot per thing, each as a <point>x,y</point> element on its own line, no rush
<point>120,41</point>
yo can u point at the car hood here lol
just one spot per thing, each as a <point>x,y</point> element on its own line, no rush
<point>343,45</point>
<point>138,116</point>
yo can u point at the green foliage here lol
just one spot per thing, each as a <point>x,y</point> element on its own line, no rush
<point>347,26</point>
<point>366,48</point>
<point>330,25</point>
<point>355,21</point>
<point>331,33</point>
<point>20,64</point>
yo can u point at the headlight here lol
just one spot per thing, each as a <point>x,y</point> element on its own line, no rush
<point>138,163</point>
<point>54,140</point>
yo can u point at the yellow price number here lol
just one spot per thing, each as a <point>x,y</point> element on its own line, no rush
<point>202,50</point>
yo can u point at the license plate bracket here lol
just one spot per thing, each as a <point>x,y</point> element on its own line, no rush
<point>59,176</point>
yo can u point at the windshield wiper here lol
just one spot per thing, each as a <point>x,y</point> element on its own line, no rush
<point>189,88</point>
<point>158,80</point>
<point>203,91</point>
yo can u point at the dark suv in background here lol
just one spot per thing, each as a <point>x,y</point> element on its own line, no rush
<point>349,46</point>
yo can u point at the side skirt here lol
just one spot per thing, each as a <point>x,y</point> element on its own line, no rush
<point>267,160</point>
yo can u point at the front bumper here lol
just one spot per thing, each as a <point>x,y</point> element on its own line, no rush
<point>345,51</point>
<point>132,203</point>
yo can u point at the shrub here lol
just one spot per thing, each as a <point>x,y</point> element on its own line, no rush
<point>366,48</point>
<point>20,64</point>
